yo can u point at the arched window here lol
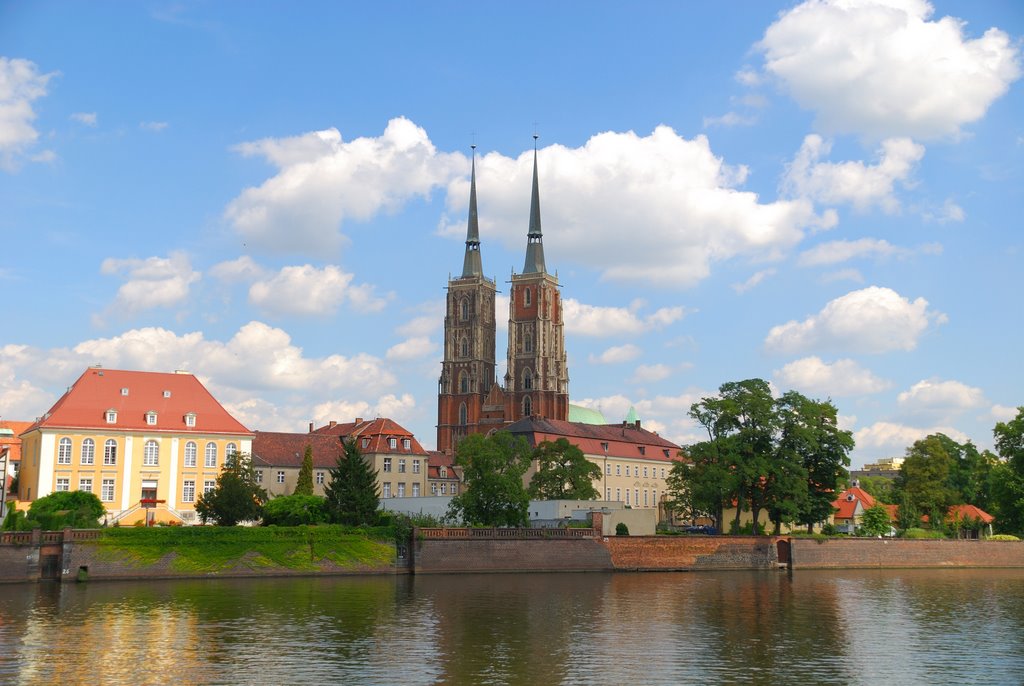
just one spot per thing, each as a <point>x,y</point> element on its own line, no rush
<point>64,451</point>
<point>528,343</point>
<point>463,382</point>
<point>527,296</point>
<point>110,451</point>
<point>464,309</point>
<point>230,450</point>
<point>88,451</point>
<point>190,454</point>
<point>210,459</point>
<point>527,380</point>
<point>527,406</point>
<point>464,347</point>
<point>151,453</point>
<point>463,418</point>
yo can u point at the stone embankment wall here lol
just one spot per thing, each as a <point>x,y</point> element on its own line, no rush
<point>664,553</point>
<point>853,553</point>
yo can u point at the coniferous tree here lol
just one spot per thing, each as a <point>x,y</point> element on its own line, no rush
<point>304,484</point>
<point>352,496</point>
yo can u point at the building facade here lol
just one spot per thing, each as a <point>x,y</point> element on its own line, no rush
<point>147,443</point>
<point>536,382</point>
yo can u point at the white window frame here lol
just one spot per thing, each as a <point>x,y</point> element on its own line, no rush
<point>63,484</point>
<point>385,490</point>
<point>85,484</point>
<point>401,489</point>
<point>151,418</point>
<point>188,491</point>
<point>111,416</point>
<point>401,465</point>
<point>280,477</point>
<point>210,455</point>
<point>64,451</point>
<point>209,485</point>
<point>393,443</point>
<point>259,476</point>
<point>88,452</point>
<point>415,490</point>
<point>320,477</point>
<point>107,490</point>
<point>387,464</point>
<point>151,454</point>
<point>191,451</point>
<point>415,466</point>
<point>109,452</point>
<point>190,419</point>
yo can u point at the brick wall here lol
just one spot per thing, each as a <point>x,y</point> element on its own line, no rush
<point>649,553</point>
<point>848,553</point>
<point>439,556</point>
<point>19,563</point>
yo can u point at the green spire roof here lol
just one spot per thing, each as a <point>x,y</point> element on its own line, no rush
<point>632,417</point>
<point>472,265</point>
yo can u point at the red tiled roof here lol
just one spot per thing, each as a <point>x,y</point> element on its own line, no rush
<point>376,433</point>
<point>273,449</point>
<point>13,442</point>
<point>969,512</point>
<point>171,396</point>
<point>623,440</point>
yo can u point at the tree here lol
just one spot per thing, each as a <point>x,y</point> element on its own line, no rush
<point>352,496</point>
<point>237,497</point>
<point>563,472</point>
<point>304,484</point>
<point>76,509</point>
<point>924,476</point>
<point>493,469</point>
<point>880,488</point>
<point>702,485</point>
<point>295,510</point>
<point>1007,477</point>
<point>875,521</point>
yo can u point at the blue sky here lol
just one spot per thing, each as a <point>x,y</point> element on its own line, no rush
<point>826,195</point>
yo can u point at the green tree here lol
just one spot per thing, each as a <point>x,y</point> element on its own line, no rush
<point>701,484</point>
<point>924,476</point>
<point>875,521</point>
<point>75,509</point>
<point>295,510</point>
<point>563,473</point>
<point>907,515</point>
<point>237,497</point>
<point>493,468</point>
<point>353,495</point>
<point>304,484</point>
<point>880,488</point>
<point>1007,476</point>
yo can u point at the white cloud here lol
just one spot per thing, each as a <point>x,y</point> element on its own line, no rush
<point>840,378</point>
<point>754,280</point>
<point>650,373</point>
<point>748,77</point>
<point>307,290</point>
<point>241,270</point>
<point>411,349</point>
<point>882,69</point>
<point>871,320</point>
<point>152,282</point>
<point>616,354</point>
<point>835,252</point>
<point>429,319</point>
<point>20,84</point>
<point>1003,413</point>
<point>657,209</point>
<point>595,320</point>
<point>933,395</point>
<point>729,119</point>
<point>853,183</point>
<point>394,407</point>
<point>322,181</point>
<point>893,439</point>
<point>853,275</point>
<point>155,126</point>
<point>86,118</point>
<point>949,212</point>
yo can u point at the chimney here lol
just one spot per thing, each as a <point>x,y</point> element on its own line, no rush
<point>638,423</point>
<point>331,424</point>
<point>311,427</point>
<point>359,420</point>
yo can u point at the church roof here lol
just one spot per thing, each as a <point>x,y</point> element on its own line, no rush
<point>534,237</point>
<point>585,415</point>
<point>472,265</point>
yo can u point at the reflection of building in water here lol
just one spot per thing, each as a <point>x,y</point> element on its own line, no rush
<point>147,443</point>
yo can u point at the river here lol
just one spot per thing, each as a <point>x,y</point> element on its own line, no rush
<point>811,627</point>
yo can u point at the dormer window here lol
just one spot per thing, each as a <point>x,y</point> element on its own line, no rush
<point>642,449</point>
<point>444,472</point>
<point>167,394</point>
<point>124,391</point>
<point>111,416</point>
<point>406,444</point>
<point>366,442</point>
<point>392,443</point>
<point>151,418</point>
<point>190,419</point>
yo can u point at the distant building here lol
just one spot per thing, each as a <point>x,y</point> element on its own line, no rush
<point>10,456</point>
<point>887,467</point>
<point>277,458</point>
<point>146,443</point>
<point>850,507</point>
<point>444,477</point>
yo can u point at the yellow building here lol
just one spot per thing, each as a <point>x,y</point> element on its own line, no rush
<point>147,443</point>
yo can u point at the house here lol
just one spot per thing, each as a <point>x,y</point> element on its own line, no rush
<point>147,443</point>
<point>10,459</point>
<point>969,521</point>
<point>277,459</point>
<point>850,507</point>
<point>443,476</point>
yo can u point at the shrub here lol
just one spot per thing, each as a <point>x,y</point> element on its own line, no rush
<point>921,533</point>
<point>829,529</point>
<point>621,529</point>
<point>16,520</point>
<point>294,510</point>
<point>76,509</point>
<point>1002,537</point>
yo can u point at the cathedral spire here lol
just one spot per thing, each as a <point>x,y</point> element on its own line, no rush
<point>472,265</point>
<point>534,237</point>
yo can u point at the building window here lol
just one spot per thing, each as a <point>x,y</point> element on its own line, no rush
<point>401,490</point>
<point>464,347</point>
<point>643,449</point>
<point>607,494</point>
<point>259,476</point>
<point>443,472</point>
<point>167,394</point>
<point>527,407</point>
<point>463,419</point>
<point>401,466</point>
<point>208,486</point>
<point>654,497</point>
<point>110,452</point>
<point>464,309</point>
<point>385,490</point>
<point>455,489</point>
<point>85,484</point>
<point>392,443</point>
<point>636,496</point>
<point>366,443</point>
<point>232,449</point>
<point>433,489</point>
<point>528,343</point>
<point>618,470</point>
<point>406,444</point>
<point>618,494</point>
<point>190,419</point>
<point>107,490</point>
<point>63,484</point>
<point>415,490</point>
<point>527,380</point>
<point>645,497</point>
<point>210,457</point>
<point>64,451</point>
<point>151,418</point>
<point>88,451</point>
<point>320,477</point>
<point>527,297</point>
<point>665,452</point>
<point>607,469</point>
<point>627,496</point>
<point>124,391</point>
<point>662,472</point>
<point>444,489</point>
<point>188,491</point>
<point>387,464</point>
<point>151,453</point>
<point>415,466</point>
<point>280,477</point>
<point>463,382</point>
<point>190,454</point>
<point>645,472</point>
<point>111,417</point>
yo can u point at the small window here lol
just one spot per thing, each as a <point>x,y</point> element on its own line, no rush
<point>280,477</point>
<point>259,476</point>
<point>618,470</point>
<point>124,391</point>
<point>608,469</point>
<point>665,451</point>
<point>188,491</point>
<point>463,382</point>
<point>190,454</point>
<point>111,416</point>
<point>210,457</point>
<point>415,466</point>
<point>527,407</point>
<point>443,471</point>
<point>107,490</point>
<point>85,485</point>
<point>231,449</point>
<point>319,477</point>
<point>190,419</point>
<point>527,297</point>
<point>401,466</point>
<point>392,443</point>
<point>151,454</point>
<point>663,472</point>
<point>444,489</point>
<point>110,452</point>
<point>208,486</point>
<point>64,451</point>
<point>401,490</point>
<point>463,419</point>
<point>406,444</point>
<point>642,449</point>
<point>63,484</point>
<point>151,418</point>
<point>645,472</point>
<point>464,309</point>
<point>88,451</point>
<point>527,380</point>
<point>167,394</point>
<point>433,489</point>
<point>528,343</point>
<point>366,442</point>
<point>464,347</point>
<point>415,490</point>
<point>387,464</point>
<point>385,490</point>
<point>607,494</point>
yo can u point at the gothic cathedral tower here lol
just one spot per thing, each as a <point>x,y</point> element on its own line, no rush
<point>537,379</point>
<point>467,372</point>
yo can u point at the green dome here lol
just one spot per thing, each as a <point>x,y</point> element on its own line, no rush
<point>585,415</point>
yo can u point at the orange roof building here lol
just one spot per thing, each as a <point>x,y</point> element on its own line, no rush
<point>147,443</point>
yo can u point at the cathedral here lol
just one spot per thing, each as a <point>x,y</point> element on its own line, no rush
<point>536,383</point>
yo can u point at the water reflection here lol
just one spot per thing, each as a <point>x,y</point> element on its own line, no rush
<point>849,627</point>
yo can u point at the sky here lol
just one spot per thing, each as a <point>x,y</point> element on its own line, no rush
<point>826,195</point>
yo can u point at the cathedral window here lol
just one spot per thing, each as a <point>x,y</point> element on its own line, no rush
<point>528,343</point>
<point>464,309</point>
<point>527,380</point>
<point>527,406</point>
<point>526,296</point>
<point>463,420</point>
<point>464,347</point>
<point>463,383</point>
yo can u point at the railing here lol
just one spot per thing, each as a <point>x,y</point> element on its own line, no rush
<point>124,513</point>
<point>48,537</point>
<point>16,537</point>
<point>521,534</point>
<point>52,537</point>
<point>85,534</point>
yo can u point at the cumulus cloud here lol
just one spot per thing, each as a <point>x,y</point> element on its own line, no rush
<point>754,280</point>
<point>853,275</point>
<point>598,321</point>
<point>729,119</point>
<point>883,68</point>
<point>658,209</point>
<point>855,183</point>
<point>307,290</point>
<point>834,252</point>
<point>892,438</point>
<point>323,181</point>
<point>429,318</point>
<point>241,270</point>
<point>949,212</point>
<point>650,373</point>
<point>411,349</point>
<point>20,85</point>
<point>86,118</point>
<point>152,282</point>
<point>871,320</point>
<point>1003,413</point>
<point>616,354</point>
<point>395,407</point>
<point>843,377</point>
<point>942,397</point>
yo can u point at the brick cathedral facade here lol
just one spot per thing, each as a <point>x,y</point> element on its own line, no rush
<point>536,383</point>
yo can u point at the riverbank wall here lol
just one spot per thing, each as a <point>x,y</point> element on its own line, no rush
<point>894,553</point>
